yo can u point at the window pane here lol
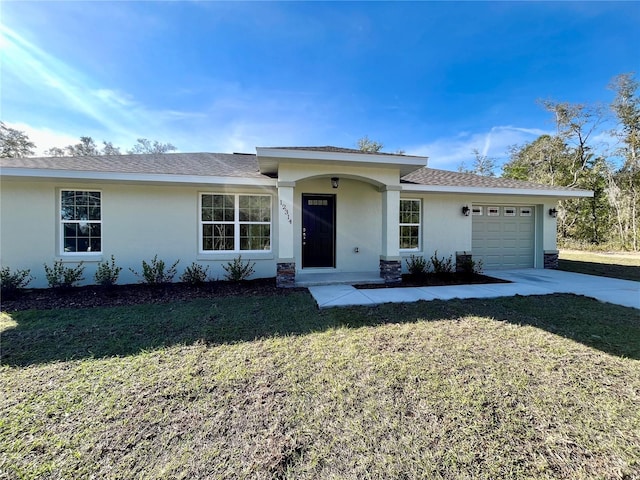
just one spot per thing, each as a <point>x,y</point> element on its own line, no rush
<point>255,237</point>
<point>223,237</point>
<point>409,237</point>
<point>254,208</point>
<point>70,245</point>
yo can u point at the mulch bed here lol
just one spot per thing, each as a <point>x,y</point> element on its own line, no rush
<point>433,280</point>
<point>137,294</point>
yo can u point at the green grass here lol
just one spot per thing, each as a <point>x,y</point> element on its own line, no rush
<point>523,387</point>
<point>614,265</point>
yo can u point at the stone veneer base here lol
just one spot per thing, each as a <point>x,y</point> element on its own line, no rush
<point>286,275</point>
<point>551,260</point>
<point>391,271</point>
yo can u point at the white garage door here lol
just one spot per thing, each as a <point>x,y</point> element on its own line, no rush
<point>503,236</point>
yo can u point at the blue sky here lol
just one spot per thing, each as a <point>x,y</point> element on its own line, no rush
<point>430,78</point>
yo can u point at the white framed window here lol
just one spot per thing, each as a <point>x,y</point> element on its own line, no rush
<point>409,224</point>
<point>525,211</point>
<point>476,210</point>
<point>509,211</point>
<point>235,222</point>
<point>80,221</point>
<point>493,211</point>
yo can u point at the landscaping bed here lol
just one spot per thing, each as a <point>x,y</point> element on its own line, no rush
<point>436,280</point>
<point>136,294</point>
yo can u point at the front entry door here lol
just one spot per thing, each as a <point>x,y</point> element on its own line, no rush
<point>318,230</point>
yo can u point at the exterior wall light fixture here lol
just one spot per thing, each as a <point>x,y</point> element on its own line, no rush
<point>334,182</point>
<point>466,210</point>
<point>553,212</point>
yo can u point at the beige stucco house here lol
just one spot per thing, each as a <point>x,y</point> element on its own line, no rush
<point>292,211</point>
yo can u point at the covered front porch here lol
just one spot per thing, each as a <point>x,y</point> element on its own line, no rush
<point>337,215</point>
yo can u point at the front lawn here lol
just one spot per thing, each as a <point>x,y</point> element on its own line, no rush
<point>615,265</point>
<point>270,387</point>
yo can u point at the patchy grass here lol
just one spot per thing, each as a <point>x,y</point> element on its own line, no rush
<point>615,265</point>
<point>523,387</point>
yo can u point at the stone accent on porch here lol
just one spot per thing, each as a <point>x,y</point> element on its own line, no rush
<point>286,275</point>
<point>391,271</point>
<point>551,259</point>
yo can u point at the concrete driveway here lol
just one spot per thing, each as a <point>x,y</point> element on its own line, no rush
<point>524,282</point>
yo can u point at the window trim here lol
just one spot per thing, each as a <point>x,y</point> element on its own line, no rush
<point>61,223</point>
<point>419,225</point>
<point>236,224</point>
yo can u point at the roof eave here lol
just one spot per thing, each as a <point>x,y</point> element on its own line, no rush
<point>135,177</point>
<point>529,192</point>
<point>269,159</point>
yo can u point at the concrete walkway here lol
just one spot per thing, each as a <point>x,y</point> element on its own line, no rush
<point>524,282</point>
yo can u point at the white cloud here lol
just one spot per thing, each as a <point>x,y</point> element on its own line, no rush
<point>448,153</point>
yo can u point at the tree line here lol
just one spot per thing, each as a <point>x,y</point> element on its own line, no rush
<point>574,157</point>
<point>15,143</point>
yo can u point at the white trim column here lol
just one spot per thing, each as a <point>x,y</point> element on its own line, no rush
<point>286,264</point>
<point>390,261</point>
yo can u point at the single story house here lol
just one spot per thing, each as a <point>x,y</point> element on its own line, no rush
<point>291,210</point>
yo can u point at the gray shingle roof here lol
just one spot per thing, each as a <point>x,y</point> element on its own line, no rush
<point>242,165</point>
<point>329,148</point>
<point>435,177</point>
<point>199,164</point>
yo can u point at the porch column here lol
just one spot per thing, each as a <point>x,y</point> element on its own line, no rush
<point>390,261</point>
<point>286,264</point>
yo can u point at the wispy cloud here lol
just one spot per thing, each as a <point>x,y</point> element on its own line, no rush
<point>230,118</point>
<point>450,152</point>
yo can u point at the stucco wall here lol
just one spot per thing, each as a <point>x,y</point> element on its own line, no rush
<point>138,221</point>
<point>446,230</point>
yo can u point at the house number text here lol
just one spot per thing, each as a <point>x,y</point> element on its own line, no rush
<point>285,210</point>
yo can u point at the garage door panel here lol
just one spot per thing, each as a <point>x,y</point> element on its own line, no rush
<point>503,241</point>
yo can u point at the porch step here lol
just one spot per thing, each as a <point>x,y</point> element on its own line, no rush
<point>337,278</point>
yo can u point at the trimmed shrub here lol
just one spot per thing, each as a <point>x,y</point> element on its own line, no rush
<point>59,276</point>
<point>417,266</point>
<point>107,273</point>
<point>238,270</point>
<point>195,274</point>
<point>471,267</point>
<point>441,266</point>
<point>154,273</point>
<point>12,282</point>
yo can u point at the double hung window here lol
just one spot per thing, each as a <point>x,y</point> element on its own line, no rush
<point>409,224</point>
<point>80,221</point>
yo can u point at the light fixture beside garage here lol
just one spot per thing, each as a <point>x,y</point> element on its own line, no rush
<point>334,182</point>
<point>466,210</point>
<point>553,212</point>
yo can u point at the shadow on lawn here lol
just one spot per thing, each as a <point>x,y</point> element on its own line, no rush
<point>48,335</point>
<point>625,272</point>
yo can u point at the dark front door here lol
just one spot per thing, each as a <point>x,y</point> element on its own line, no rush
<point>318,230</point>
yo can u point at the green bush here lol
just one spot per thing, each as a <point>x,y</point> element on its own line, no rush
<point>417,266</point>
<point>238,270</point>
<point>441,266</point>
<point>470,267</point>
<point>13,282</point>
<point>154,273</point>
<point>59,276</point>
<point>195,274</point>
<point>107,273</point>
